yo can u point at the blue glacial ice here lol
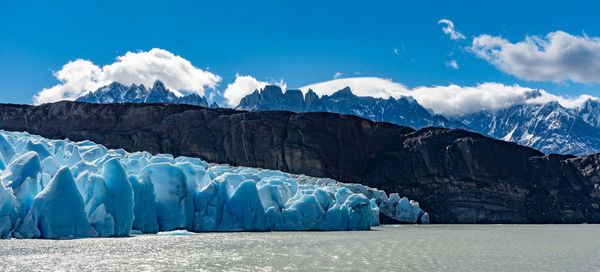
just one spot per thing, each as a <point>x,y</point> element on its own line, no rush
<point>65,189</point>
<point>57,211</point>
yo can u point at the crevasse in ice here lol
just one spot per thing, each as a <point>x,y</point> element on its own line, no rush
<point>62,189</point>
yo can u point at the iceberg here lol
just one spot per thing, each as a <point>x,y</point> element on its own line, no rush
<point>63,189</point>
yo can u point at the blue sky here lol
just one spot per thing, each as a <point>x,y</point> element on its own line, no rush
<point>300,42</point>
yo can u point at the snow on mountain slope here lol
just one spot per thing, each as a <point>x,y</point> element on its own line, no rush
<point>81,189</point>
<point>550,127</point>
<point>590,112</point>
<point>119,93</point>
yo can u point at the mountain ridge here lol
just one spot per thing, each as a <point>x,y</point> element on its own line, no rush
<point>556,129</point>
<point>550,127</point>
<point>404,111</point>
<point>158,93</point>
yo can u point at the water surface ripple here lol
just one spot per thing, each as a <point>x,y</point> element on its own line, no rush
<point>388,248</point>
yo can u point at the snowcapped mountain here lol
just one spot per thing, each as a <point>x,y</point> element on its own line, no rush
<point>119,93</point>
<point>403,111</point>
<point>550,127</point>
<point>590,112</point>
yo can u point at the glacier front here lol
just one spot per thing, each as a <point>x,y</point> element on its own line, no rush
<point>63,189</point>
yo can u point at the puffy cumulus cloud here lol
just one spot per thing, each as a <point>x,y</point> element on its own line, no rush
<point>337,75</point>
<point>559,56</point>
<point>449,29</point>
<point>452,64</point>
<point>245,85</point>
<point>81,76</point>
<point>451,100</point>
<point>76,77</point>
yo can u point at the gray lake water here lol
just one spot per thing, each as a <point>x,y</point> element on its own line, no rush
<point>388,248</point>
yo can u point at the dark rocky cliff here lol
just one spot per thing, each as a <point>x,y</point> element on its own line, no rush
<point>459,176</point>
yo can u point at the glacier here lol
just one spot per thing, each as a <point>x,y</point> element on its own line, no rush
<point>65,189</point>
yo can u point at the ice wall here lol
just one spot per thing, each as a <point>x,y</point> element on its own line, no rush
<point>62,189</point>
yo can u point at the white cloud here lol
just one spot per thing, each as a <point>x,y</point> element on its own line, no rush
<point>449,29</point>
<point>337,75</point>
<point>361,86</point>
<point>557,57</point>
<point>245,85</point>
<point>452,64</point>
<point>451,100</point>
<point>242,86</point>
<point>81,76</point>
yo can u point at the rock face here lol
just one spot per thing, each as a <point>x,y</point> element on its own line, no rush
<point>459,176</point>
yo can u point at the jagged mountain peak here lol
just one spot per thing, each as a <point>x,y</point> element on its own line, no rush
<point>159,85</point>
<point>590,102</point>
<point>345,92</point>
<point>590,112</point>
<point>114,85</point>
<point>116,92</point>
<point>552,106</point>
<point>311,91</point>
<point>272,88</point>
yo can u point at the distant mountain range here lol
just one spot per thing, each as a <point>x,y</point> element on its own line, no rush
<point>403,111</point>
<point>119,93</point>
<point>550,127</point>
